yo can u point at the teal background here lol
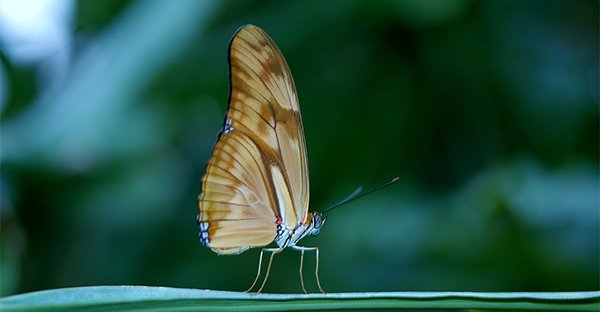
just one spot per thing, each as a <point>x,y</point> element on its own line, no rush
<point>487,110</point>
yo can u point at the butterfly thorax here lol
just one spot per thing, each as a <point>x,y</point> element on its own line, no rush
<point>287,237</point>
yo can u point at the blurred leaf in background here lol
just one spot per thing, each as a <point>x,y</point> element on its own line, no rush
<point>487,110</point>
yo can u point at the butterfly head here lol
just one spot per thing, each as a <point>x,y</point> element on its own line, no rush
<point>316,222</point>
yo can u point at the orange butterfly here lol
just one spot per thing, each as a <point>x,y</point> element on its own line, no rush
<point>255,189</point>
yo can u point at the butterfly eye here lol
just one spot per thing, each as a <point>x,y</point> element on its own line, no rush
<point>317,223</point>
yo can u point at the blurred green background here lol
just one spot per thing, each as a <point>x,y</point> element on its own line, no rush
<point>487,110</point>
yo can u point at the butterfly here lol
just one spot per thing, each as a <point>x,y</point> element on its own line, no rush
<point>255,190</point>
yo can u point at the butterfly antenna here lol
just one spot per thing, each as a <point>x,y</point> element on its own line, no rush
<point>358,194</point>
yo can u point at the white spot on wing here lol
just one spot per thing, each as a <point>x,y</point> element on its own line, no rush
<point>228,128</point>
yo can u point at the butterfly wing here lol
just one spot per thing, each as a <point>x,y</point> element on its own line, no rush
<point>257,176</point>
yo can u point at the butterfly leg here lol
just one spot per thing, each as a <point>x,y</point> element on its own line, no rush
<point>273,252</point>
<point>317,270</point>
<point>260,258</point>
<point>302,250</point>
<point>258,272</point>
<point>300,271</point>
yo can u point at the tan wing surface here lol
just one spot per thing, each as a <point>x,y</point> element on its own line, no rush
<point>258,170</point>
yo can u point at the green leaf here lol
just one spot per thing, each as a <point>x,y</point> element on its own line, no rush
<point>143,298</point>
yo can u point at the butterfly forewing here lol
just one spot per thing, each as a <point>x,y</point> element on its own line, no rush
<point>263,87</point>
<point>257,176</point>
